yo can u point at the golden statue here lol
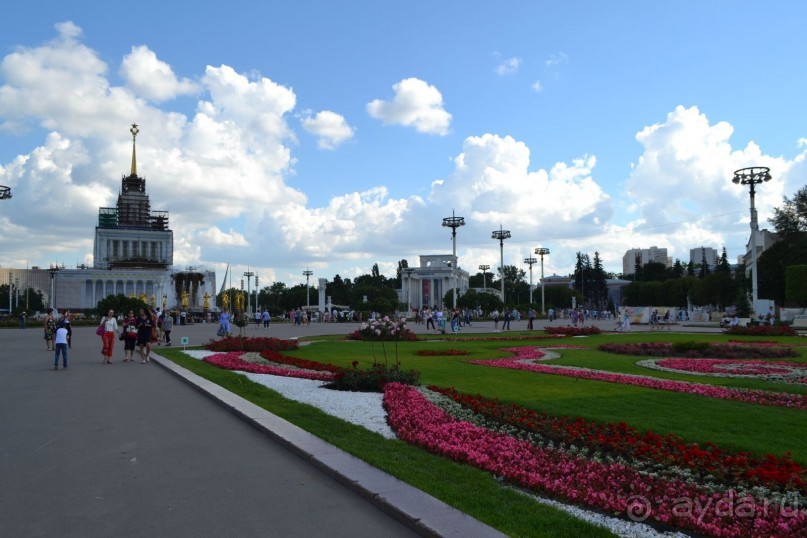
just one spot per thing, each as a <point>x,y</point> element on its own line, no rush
<point>131,295</point>
<point>225,301</point>
<point>142,297</point>
<point>184,299</point>
<point>153,301</point>
<point>165,300</point>
<point>239,301</point>
<point>206,304</point>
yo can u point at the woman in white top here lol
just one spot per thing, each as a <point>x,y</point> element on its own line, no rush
<point>110,325</point>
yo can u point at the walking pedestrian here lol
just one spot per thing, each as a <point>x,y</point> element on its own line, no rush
<point>168,325</point>
<point>224,322</point>
<point>531,315</point>
<point>265,318</point>
<point>144,324</point>
<point>110,330</point>
<point>129,336</point>
<point>495,317</point>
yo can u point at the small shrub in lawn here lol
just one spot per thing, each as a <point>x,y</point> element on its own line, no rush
<point>379,330</point>
<point>242,343</point>
<point>372,379</point>
<point>440,352</point>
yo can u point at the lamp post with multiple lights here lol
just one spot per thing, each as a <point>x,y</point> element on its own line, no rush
<point>753,176</point>
<point>307,274</point>
<point>249,274</point>
<point>530,261</point>
<point>542,252</point>
<point>454,222</point>
<point>52,270</point>
<point>484,269</point>
<point>501,235</point>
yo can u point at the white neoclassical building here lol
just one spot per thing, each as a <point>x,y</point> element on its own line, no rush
<point>133,255</point>
<point>428,284</point>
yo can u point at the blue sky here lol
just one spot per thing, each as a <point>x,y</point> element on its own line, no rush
<point>333,136</point>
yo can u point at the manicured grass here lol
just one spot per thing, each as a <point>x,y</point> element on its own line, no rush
<point>736,425</point>
<point>466,488</point>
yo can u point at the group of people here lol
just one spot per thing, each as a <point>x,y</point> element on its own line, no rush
<point>141,331</point>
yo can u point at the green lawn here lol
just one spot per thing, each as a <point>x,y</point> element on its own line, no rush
<point>729,424</point>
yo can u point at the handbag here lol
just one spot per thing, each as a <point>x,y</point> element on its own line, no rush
<point>221,331</point>
<point>100,330</point>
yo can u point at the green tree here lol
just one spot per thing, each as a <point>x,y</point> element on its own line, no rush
<point>120,304</point>
<point>796,285</point>
<point>723,265</point>
<point>773,263</point>
<point>792,216</point>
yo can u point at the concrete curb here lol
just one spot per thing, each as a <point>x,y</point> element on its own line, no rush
<point>423,513</point>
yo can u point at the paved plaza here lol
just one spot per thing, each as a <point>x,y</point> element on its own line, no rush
<point>131,450</point>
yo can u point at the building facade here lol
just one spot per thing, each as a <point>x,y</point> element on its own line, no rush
<point>644,256</point>
<point>698,255</point>
<point>133,255</point>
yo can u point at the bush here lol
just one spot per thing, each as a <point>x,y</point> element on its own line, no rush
<point>372,379</point>
<point>763,330</point>
<point>573,331</point>
<point>242,343</point>
<point>383,329</point>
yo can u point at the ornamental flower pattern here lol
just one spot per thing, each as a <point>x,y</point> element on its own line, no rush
<point>525,358</point>
<point>781,371</point>
<point>611,487</point>
<point>232,361</point>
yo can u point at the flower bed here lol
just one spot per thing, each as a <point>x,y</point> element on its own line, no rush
<point>611,487</point>
<point>763,330</point>
<point>383,329</point>
<point>700,350</point>
<point>440,352</point>
<point>626,443</point>
<point>258,344</point>
<point>573,331</point>
<point>232,361</point>
<point>792,372</point>
<point>525,357</point>
<point>274,356</point>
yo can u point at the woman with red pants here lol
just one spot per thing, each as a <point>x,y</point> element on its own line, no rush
<point>110,325</point>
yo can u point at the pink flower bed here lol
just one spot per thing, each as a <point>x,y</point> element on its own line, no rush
<point>733,367</point>
<point>525,356</point>
<point>611,487</point>
<point>233,361</point>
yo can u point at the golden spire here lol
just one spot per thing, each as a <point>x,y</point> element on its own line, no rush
<point>134,130</point>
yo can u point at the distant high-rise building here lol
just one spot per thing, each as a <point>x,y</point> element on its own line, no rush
<point>697,255</point>
<point>644,256</point>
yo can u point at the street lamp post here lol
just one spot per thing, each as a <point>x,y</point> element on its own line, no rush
<point>454,223</point>
<point>10,281</point>
<point>249,274</point>
<point>531,261</point>
<point>409,272</point>
<point>307,274</point>
<point>542,252</point>
<point>501,235</point>
<point>52,270</point>
<point>484,269</point>
<point>753,176</point>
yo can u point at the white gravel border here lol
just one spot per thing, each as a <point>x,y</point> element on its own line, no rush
<point>364,409</point>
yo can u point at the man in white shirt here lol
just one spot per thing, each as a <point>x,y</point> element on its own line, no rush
<point>61,346</point>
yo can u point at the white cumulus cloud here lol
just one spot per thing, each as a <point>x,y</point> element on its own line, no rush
<point>330,128</point>
<point>152,78</point>
<point>416,103</point>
